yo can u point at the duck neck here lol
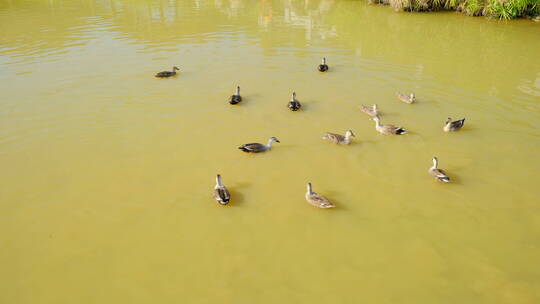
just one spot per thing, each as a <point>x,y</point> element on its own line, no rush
<point>347,137</point>
<point>293,97</point>
<point>435,163</point>
<point>269,145</point>
<point>377,122</point>
<point>218,181</point>
<point>309,189</point>
<point>237,91</point>
<point>324,61</point>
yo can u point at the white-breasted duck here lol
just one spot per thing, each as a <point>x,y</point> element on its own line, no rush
<point>387,129</point>
<point>221,194</point>
<point>316,199</point>
<point>437,173</point>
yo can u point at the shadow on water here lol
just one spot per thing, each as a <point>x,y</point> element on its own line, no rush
<point>237,198</point>
<point>362,142</point>
<point>308,105</point>
<point>386,114</point>
<point>247,99</point>
<point>465,129</point>
<point>455,179</point>
<point>332,68</point>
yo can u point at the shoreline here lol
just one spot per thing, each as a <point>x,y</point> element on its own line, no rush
<point>501,9</point>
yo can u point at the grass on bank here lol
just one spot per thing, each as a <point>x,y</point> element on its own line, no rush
<point>504,9</point>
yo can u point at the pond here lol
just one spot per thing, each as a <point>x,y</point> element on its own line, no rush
<point>108,172</point>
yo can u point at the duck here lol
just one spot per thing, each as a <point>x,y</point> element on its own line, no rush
<point>236,98</point>
<point>387,129</point>
<point>257,147</point>
<point>316,199</point>
<point>339,139</point>
<point>453,125</point>
<point>406,98</point>
<point>294,105</point>
<point>437,173</point>
<point>323,67</point>
<point>167,73</point>
<point>221,194</point>
<point>371,111</point>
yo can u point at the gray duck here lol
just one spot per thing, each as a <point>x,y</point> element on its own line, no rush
<point>236,98</point>
<point>294,104</point>
<point>165,74</point>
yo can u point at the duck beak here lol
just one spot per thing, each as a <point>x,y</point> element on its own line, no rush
<point>277,141</point>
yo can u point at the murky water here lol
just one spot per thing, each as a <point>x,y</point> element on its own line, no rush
<point>107,172</point>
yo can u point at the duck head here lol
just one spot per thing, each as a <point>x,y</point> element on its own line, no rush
<point>293,97</point>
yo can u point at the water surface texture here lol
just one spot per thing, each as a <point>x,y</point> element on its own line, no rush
<point>107,172</point>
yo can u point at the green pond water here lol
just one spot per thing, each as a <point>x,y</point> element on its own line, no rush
<point>107,173</point>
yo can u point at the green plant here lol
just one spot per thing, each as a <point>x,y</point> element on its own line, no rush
<point>504,9</point>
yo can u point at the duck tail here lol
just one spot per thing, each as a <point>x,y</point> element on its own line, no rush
<point>401,131</point>
<point>445,179</point>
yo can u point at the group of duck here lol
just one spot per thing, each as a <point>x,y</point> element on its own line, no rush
<point>222,195</point>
